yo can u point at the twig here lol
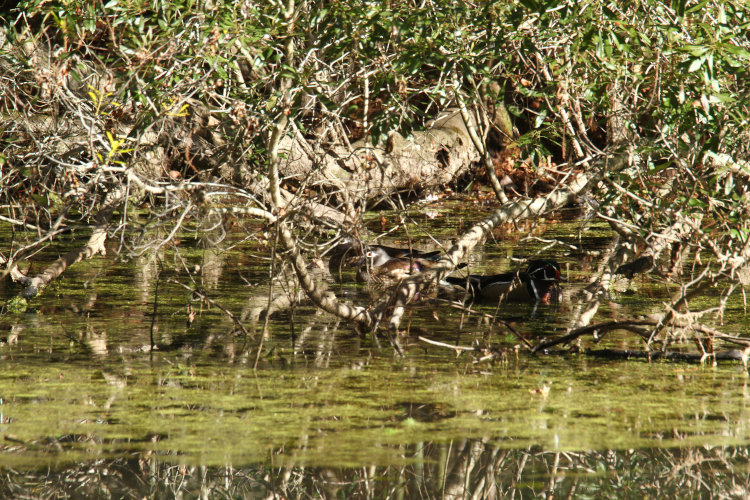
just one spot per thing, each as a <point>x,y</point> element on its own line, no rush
<point>156,306</point>
<point>457,348</point>
<point>212,302</point>
<point>489,317</point>
<point>479,144</point>
<point>20,223</point>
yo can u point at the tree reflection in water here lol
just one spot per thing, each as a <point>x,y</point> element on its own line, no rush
<point>453,470</point>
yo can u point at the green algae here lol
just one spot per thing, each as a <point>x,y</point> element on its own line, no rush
<point>213,414</point>
<point>82,381</point>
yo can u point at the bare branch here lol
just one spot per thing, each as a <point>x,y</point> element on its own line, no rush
<point>94,246</point>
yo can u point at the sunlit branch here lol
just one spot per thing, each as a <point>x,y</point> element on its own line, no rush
<point>515,210</point>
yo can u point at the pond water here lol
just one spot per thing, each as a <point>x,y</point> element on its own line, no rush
<point>311,408</point>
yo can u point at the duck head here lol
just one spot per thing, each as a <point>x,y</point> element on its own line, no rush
<point>544,270</point>
<point>542,281</point>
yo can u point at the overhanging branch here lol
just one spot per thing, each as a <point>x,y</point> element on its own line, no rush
<point>510,211</point>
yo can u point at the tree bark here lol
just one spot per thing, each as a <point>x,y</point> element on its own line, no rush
<point>429,159</point>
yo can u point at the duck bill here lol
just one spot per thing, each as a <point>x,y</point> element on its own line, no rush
<point>559,277</point>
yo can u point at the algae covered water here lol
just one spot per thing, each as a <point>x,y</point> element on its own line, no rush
<point>114,386</point>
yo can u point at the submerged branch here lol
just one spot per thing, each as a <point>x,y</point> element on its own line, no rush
<point>730,355</point>
<point>457,348</point>
<point>642,329</point>
<point>93,246</point>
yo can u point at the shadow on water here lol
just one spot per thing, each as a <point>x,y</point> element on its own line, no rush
<point>88,409</point>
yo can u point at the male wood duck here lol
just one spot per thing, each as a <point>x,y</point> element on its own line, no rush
<point>539,283</point>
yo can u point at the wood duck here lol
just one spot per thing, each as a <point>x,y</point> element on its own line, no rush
<point>377,255</point>
<point>377,261</point>
<point>392,270</point>
<point>382,263</point>
<point>539,283</point>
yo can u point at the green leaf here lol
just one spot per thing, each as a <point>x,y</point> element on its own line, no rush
<point>737,51</point>
<point>696,7</point>
<point>679,6</point>
<point>539,120</point>
<point>41,200</point>
<point>531,5</point>
<point>696,64</point>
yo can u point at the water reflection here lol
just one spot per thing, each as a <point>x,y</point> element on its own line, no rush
<point>122,382</point>
<point>458,469</point>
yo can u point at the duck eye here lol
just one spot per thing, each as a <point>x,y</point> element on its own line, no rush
<point>554,272</point>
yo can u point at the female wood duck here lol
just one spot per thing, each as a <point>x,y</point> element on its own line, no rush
<point>377,261</point>
<point>377,255</point>
<point>389,264</point>
<point>539,283</point>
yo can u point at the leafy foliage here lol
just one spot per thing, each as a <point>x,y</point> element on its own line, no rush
<point>202,86</point>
